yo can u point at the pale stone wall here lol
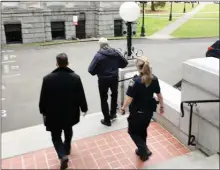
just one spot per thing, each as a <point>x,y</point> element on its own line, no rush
<point>201,82</point>
<point>35,18</point>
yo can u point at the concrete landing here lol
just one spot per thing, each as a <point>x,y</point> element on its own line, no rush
<point>192,160</point>
<point>36,137</point>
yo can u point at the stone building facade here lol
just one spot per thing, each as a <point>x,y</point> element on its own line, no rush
<point>36,19</point>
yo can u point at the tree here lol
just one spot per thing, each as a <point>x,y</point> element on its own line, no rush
<point>157,4</point>
<point>141,3</point>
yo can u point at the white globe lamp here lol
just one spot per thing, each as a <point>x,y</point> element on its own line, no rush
<point>129,11</point>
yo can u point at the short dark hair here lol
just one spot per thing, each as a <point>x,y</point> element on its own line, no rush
<point>62,60</point>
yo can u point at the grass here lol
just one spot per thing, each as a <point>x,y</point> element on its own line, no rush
<point>152,25</point>
<point>198,28</point>
<point>195,28</point>
<point>177,8</point>
<point>209,8</point>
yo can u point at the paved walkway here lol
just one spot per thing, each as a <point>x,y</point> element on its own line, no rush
<point>112,150</point>
<point>168,30</point>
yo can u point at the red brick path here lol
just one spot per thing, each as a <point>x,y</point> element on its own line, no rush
<point>114,150</point>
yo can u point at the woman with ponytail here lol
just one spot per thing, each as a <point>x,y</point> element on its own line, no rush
<point>142,105</point>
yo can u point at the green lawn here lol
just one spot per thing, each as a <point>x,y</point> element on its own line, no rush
<point>209,8</point>
<point>152,25</point>
<point>177,7</point>
<point>207,15</point>
<point>201,27</point>
<point>198,28</point>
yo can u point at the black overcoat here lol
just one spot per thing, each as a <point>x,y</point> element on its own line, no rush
<point>61,99</point>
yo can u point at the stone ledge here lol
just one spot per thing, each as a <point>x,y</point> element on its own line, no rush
<point>209,68</point>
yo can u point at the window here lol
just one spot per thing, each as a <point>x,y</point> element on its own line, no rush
<point>118,28</point>
<point>58,30</point>
<point>13,33</point>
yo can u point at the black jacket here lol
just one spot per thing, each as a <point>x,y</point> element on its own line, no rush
<point>106,63</point>
<point>62,97</point>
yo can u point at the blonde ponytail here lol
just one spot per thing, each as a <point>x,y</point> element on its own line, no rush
<point>144,68</point>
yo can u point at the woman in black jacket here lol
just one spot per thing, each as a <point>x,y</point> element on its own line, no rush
<point>142,105</point>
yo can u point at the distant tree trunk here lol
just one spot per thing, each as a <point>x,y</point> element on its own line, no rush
<point>152,6</point>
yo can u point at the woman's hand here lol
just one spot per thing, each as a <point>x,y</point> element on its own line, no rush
<point>161,110</point>
<point>122,111</point>
<point>127,102</point>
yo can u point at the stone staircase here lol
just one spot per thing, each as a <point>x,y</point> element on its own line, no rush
<point>205,126</point>
<point>193,160</point>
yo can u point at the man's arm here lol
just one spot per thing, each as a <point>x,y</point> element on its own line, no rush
<point>93,66</point>
<point>42,98</point>
<point>122,61</point>
<point>81,97</point>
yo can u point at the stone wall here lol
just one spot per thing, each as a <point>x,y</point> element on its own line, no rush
<point>106,13</point>
<point>65,16</point>
<point>90,24</point>
<point>201,82</point>
<point>35,18</point>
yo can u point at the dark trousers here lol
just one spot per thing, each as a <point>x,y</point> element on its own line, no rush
<point>62,148</point>
<point>138,132</point>
<point>104,86</point>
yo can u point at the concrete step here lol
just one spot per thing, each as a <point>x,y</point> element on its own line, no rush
<point>180,162</point>
<point>211,162</point>
<point>26,138</point>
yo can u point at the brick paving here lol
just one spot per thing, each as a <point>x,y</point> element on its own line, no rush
<point>113,150</point>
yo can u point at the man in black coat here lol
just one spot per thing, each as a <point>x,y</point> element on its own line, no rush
<point>105,65</point>
<point>62,97</point>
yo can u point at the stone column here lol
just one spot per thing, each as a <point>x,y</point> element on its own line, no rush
<point>105,16</point>
<point>3,38</point>
<point>90,23</point>
<point>33,28</point>
<point>69,27</point>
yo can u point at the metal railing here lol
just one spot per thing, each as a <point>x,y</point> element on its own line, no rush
<point>134,53</point>
<point>126,79</point>
<point>192,103</point>
<point>178,85</point>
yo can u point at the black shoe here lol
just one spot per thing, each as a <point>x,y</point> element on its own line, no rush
<point>105,122</point>
<point>149,153</point>
<point>64,163</point>
<point>112,117</point>
<point>137,152</point>
<point>145,157</point>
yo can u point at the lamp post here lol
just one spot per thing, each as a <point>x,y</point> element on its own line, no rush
<point>171,9</point>
<point>129,12</point>
<point>143,26</point>
<point>184,9</point>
